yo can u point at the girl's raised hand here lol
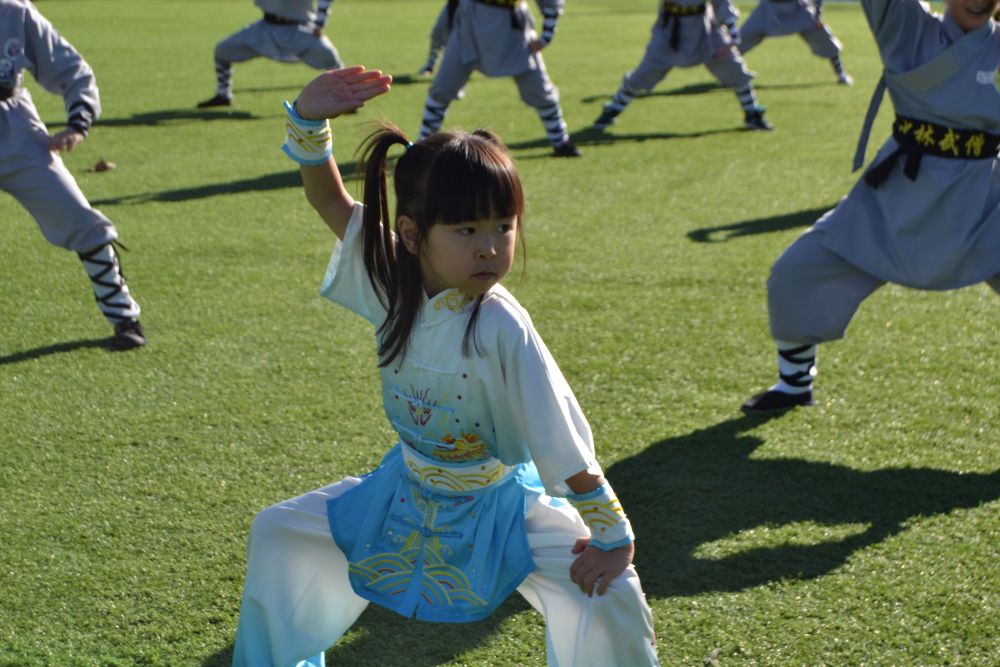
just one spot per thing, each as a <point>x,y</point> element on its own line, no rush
<point>340,91</point>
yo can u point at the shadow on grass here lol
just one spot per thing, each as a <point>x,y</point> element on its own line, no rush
<point>410,79</point>
<point>381,634</point>
<point>778,223</point>
<point>278,180</point>
<point>59,348</point>
<point>710,86</point>
<point>689,491</point>
<point>692,490</point>
<point>591,137</point>
<point>154,118</point>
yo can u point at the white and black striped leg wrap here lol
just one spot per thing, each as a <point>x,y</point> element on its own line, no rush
<point>747,98</point>
<point>555,126</point>
<point>838,67</point>
<point>796,367</point>
<point>110,290</point>
<point>622,99</point>
<point>223,78</point>
<point>433,117</point>
<point>549,26</point>
<point>432,57</point>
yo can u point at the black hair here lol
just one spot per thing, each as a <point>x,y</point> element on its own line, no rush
<point>447,178</point>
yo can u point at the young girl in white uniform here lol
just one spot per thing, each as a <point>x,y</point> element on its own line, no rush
<point>492,485</point>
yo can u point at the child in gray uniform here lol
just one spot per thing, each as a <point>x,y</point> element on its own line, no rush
<point>689,33</point>
<point>497,38</point>
<point>926,214</point>
<point>31,169</point>
<point>291,31</point>
<point>776,18</point>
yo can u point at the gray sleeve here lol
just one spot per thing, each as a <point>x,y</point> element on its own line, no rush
<point>61,70</point>
<point>551,9</point>
<point>897,26</point>
<point>440,31</point>
<point>322,12</point>
<point>725,12</point>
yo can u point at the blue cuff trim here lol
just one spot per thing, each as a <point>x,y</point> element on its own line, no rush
<point>299,120</point>
<point>589,495</point>
<point>308,163</point>
<point>612,545</point>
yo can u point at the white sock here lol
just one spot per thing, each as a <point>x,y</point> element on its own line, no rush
<point>796,367</point>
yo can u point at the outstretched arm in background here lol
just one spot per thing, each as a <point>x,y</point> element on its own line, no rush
<point>329,95</point>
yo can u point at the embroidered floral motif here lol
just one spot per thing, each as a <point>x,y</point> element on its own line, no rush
<point>467,447</point>
<point>453,300</point>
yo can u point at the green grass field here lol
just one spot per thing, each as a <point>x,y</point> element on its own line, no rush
<point>864,531</point>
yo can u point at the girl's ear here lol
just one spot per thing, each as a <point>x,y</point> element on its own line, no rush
<point>409,233</point>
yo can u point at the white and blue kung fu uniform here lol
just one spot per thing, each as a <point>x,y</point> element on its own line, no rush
<point>689,33</point>
<point>289,32</point>
<point>778,18</point>
<point>454,519</point>
<point>36,176</point>
<point>493,37</point>
<point>926,214</point>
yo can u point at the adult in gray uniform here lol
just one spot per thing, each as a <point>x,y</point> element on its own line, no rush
<point>926,214</point>
<point>31,169</point>
<point>497,38</point>
<point>689,33</point>
<point>777,18</point>
<point>291,31</point>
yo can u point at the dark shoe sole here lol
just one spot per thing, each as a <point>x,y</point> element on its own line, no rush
<point>776,401</point>
<point>216,101</point>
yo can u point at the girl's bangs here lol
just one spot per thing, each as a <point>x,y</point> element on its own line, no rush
<point>472,179</point>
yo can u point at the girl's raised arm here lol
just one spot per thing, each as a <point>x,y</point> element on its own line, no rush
<point>309,142</point>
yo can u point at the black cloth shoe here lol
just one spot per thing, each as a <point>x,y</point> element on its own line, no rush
<point>776,401</point>
<point>217,101</point>
<point>605,120</point>
<point>566,149</point>
<point>129,335</point>
<point>754,120</point>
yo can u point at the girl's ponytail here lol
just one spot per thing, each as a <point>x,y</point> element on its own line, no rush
<point>393,271</point>
<point>378,246</point>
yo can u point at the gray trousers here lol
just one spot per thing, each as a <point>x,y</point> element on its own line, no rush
<point>534,85</point>
<point>287,43</point>
<point>44,187</point>
<point>813,293</point>
<point>819,38</point>
<point>730,70</point>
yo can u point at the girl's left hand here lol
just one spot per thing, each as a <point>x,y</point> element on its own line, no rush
<point>594,566</point>
<point>340,91</point>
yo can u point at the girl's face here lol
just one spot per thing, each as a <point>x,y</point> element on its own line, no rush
<point>971,14</point>
<point>470,256</point>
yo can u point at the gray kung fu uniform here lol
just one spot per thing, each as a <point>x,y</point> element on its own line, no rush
<point>289,43</point>
<point>702,41</point>
<point>941,231</point>
<point>494,40</point>
<point>29,171</point>
<point>778,18</point>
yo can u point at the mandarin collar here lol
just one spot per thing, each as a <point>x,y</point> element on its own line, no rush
<point>445,305</point>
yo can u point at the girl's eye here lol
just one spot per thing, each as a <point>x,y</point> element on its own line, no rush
<point>466,231</point>
<point>504,228</point>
